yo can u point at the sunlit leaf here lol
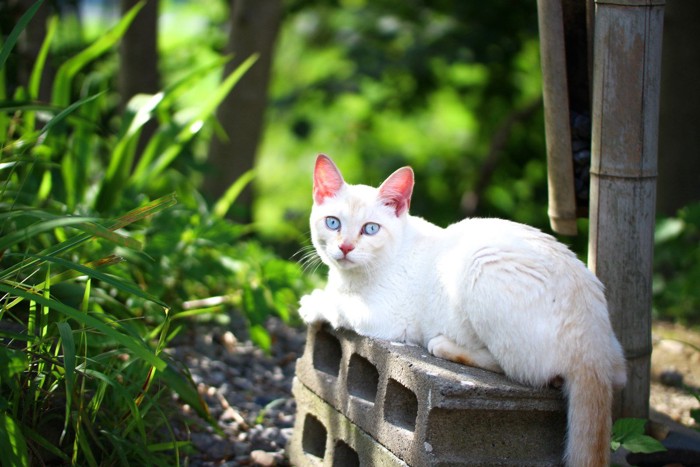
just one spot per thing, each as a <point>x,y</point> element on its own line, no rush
<point>224,204</point>
<point>12,443</point>
<point>68,70</point>
<point>68,346</point>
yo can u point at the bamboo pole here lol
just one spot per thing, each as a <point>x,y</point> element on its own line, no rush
<point>626,75</point>
<point>560,171</point>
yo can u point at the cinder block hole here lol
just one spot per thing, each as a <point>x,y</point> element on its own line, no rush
<point>363,378</point>
<point>313,438</point>
<point>327,353</point>
<point>345,456</point>
<point>400,405</point>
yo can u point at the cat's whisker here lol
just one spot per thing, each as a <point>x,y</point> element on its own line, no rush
<point>304,251</point>
<point>312,265</point>
<point>308,259</point>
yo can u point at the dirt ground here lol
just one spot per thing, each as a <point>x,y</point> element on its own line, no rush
<point>675,363</point>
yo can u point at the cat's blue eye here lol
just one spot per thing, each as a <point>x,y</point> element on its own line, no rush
<point>333,223</point>
<point>370,228</point>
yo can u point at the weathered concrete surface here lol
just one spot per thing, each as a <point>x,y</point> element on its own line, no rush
<point>325,437</point>
<point>424,410</point>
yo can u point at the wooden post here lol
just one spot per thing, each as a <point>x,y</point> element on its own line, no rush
<point>626,75</point>
<point>560,171</point>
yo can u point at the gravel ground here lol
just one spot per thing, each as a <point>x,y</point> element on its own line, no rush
<point>249,392</point>
<point>675,371</point>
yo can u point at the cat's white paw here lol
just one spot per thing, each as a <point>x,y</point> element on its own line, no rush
<point>311,307</point>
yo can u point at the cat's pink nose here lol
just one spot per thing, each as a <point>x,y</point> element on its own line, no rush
<point>346,248</point>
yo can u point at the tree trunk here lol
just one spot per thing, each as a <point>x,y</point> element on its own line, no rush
<point>679,140</point>
<point>254,27</point>
<point>138,62</point>
<point>138,52</point>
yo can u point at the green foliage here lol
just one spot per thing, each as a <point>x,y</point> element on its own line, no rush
<point>677,267</point>
<point>628,433</point>
<point>102,246</point>
<point>194,252</point>
<point>64,345</point>
<point>378,85</point>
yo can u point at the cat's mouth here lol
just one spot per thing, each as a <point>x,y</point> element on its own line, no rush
<point>345,263</point>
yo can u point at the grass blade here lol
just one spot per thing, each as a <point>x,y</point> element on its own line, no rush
<point>121,222</point>
<point>224,88</point>
<point>188,393</point>
<point>38,69</point>
<point>107,279</point>
<point>168,446</point>
<point>224,204</point>
<point>49,446</point>
<point>16,31</point>
<point>12,362</point>
<point>68,345</point>
<point>174,90</point>
<point>138,348</point>
<point>122,157</point>
<point>21,235</point>
<point>65,74</point>
<point>195,124</point>
<point>12,106</point>
<point>144,211</point>
<point>90,227</point>
<point>12,443</point>
<point>67,110</point>
<point>72,274</point>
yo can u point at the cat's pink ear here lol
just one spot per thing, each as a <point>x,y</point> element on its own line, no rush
<point>327,179</point>
<point>397,189</point>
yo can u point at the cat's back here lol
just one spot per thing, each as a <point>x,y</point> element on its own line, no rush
<point>499,233</point>
<point>498,245</point>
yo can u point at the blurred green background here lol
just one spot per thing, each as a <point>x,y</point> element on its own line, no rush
<point>142,193</point>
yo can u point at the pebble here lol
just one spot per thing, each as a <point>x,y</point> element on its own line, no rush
<point>672,346</point>
<point>262,458</point>
<point>671,377</point>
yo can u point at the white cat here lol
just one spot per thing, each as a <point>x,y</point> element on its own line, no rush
<point>484,292</point>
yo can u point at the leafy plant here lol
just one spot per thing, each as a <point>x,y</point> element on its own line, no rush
<point>91,297</point>
<point>80,382</point>
<point>201,254</point>
<point>628,433</point>
<point>677,266</point>
<point>84,374</point>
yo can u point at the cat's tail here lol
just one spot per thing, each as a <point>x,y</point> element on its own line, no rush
<point>590,396</point>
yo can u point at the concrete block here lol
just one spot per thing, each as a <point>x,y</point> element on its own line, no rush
<point>425,410</point>
<point>325,437</point>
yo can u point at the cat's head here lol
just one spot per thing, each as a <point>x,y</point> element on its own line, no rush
<point>357,226</point>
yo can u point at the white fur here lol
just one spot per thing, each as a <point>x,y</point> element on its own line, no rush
<point>502,295</point>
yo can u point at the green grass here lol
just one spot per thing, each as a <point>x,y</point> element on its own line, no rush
<point>100,247</point>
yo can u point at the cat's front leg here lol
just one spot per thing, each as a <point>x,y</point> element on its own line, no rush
<point>310,307</point>
<point>318,306</point>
